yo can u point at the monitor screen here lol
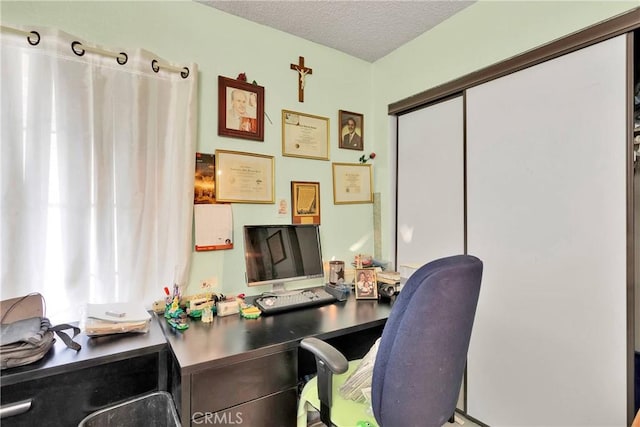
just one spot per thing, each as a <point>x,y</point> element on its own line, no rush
<point>275,254</point>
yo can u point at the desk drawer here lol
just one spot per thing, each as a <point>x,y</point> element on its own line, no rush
<point>65,399</point>
<point>221,388</point>
<point>276,410</point>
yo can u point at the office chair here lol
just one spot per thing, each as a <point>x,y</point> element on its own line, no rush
<point>421,357</point>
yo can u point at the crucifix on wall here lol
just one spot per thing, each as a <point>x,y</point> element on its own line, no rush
<point>302,74</point>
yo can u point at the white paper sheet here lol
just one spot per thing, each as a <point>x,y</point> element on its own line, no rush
<point>213,227</point>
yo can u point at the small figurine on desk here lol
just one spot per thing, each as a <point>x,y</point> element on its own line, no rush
<point>207,315</point>
<point>179,322</point>
<point>176,317</point>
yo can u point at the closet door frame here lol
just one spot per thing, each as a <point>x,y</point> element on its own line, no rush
<point>622,24</point>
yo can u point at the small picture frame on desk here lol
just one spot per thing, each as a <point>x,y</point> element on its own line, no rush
<point>366,285</point>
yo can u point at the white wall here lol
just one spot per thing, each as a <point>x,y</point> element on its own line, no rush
<point>222,44</point>
<point>482,34</point>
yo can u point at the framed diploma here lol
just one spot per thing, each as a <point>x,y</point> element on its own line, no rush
<point>305,200</point>
<point>304,135</point>
<point>244,177</point>
<point>352,183</point>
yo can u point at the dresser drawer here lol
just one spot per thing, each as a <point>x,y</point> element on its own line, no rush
<point>217,389</point>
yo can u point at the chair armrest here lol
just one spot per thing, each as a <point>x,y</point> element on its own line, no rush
<point>332,358</point>
<point>329,361</point>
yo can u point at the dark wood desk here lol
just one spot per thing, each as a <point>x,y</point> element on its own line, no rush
<point>66,386</point>
<point>247,371</point>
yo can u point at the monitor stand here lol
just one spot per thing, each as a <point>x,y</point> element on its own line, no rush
<point>278,288</point>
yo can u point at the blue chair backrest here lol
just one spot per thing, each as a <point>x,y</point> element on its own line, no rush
<point>423,350</point>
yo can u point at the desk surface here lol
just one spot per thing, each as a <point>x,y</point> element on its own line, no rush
<point>95,351</point>
<point>232,339</point>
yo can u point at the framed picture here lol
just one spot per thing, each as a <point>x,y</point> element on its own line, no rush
<point>276,247</point>
<point>240,109</point>
<point>205,179</point>
<point>305,135</point>
<point>352,183</point>
<point>305,199</point>
<point>351,130</point>
<point>244,177</point>
<point>366,286</point>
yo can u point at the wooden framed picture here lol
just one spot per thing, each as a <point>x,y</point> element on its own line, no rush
<point>240,109</point>
<point>352,183</point>
<point>305,201</point>
<point>244,177</point>
<point>351,128</point>
<point>305,135</point>
<point>366,286</point>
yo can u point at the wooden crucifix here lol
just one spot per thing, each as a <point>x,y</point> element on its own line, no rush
<point>302,73</point>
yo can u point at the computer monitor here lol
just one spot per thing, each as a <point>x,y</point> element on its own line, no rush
<point>275,254</point>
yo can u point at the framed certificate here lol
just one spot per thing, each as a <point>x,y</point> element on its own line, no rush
<point>244,177</point>
<point>352,183</point>
<point>305,199</point>
<point>304,135</point>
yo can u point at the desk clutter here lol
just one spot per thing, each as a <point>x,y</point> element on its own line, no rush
<point>178,309</point>
<point>114,318</point>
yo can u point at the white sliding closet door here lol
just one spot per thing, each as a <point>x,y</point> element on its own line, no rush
<point>430,199</point>
<point>546,213</point>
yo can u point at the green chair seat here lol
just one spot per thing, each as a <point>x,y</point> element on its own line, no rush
<point>344,412</point>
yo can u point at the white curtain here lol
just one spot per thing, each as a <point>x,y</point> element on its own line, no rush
<point>97,167</point>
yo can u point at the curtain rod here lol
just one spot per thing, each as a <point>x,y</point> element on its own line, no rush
<point>28,34</point>
<point>80,49</point>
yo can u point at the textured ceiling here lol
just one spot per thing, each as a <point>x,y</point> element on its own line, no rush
<point>365,29</point>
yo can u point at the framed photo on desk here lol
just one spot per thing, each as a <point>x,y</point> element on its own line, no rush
<point>366,286</point>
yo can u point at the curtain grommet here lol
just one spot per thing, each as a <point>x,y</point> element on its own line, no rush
<point>36,41</point>
<point>78,52</point>
<point>124,59</point>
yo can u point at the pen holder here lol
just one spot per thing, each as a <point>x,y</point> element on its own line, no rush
<point>336,272</point>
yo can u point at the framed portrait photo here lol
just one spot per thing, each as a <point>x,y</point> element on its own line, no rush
<point>366,285</point>
<point>240,109</point>
<point>305,201</point>
<point>351,130</point>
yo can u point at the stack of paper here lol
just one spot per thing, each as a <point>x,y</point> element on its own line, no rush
<point>389,277</point>
<point>115,318</point>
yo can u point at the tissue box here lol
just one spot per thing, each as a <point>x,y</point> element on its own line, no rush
<point>226,308</point>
